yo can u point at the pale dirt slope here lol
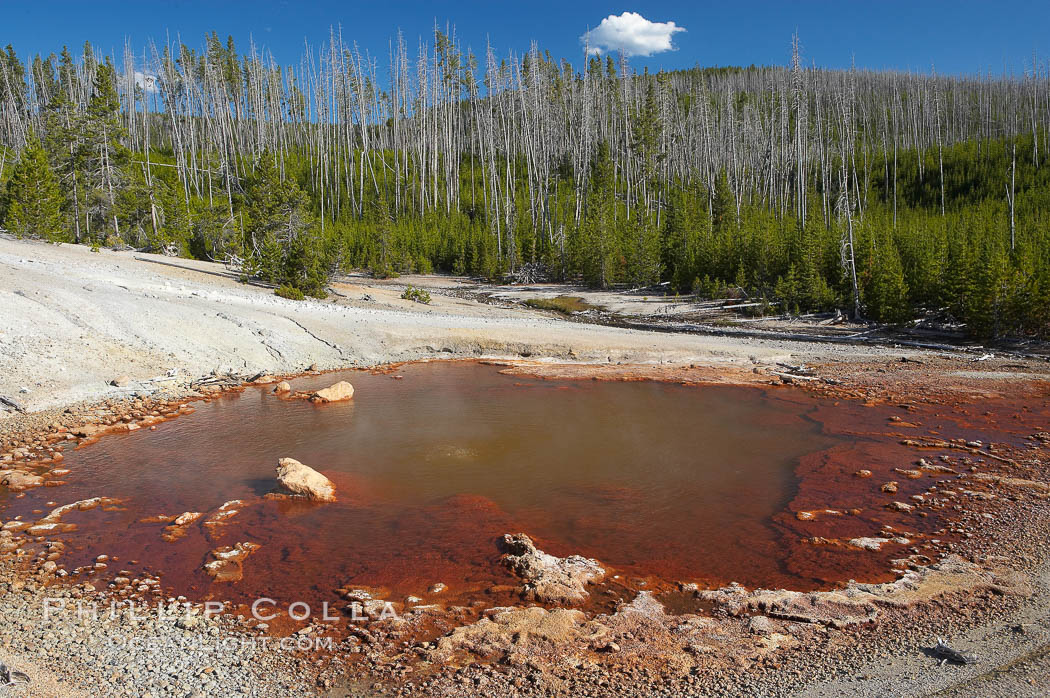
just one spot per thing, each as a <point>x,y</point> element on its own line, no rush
<point>71,320</point>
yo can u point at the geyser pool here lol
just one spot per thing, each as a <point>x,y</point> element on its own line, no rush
<point>653,479</point>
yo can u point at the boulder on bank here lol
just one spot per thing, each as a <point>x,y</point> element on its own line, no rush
<point>334,393</point>
<point>88,431</point>
<point>298,480</point>
<point>515,629</point>
<point>549,579</point>
<point>19,480</point>
<point>759,625</point>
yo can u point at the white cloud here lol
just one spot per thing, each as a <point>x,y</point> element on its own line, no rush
<point>631,33</point>
<point>147,82</point>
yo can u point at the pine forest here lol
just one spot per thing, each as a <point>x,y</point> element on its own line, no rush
<point>894,197</point>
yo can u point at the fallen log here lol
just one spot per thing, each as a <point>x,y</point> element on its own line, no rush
<point>11,677</point>
<point>742,305</point>
<point>789,377</point>
<point>946,653</point>
<point>12,403</point>
<point>799,370</point>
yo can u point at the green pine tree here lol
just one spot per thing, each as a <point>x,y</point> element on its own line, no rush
<point>987,306</point>
<point>102,157</point>
<point>33,200</point>
<point>62,140</point>
<point>381,254</point>
<point>787,291</point>
<point>680,244</point>
<point>175,227</point>
<point>643,250</point>
<point>723,206</point>
<point>598,239</point>
<point>281,244</point>
<point>814,291</point>
<point>647,133</point>
<point>886,293</point>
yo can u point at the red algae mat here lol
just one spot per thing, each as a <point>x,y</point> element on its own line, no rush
<point>434,463</point>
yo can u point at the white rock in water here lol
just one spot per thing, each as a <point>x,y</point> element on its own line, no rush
<point>334,393</point>
<point>869,543</point>
<point>549,579</point>
<point>18,480</point>
<point>303,481</point>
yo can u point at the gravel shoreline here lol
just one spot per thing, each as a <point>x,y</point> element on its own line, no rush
<point>124,650</point>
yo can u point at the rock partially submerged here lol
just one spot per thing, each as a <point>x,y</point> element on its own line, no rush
<point>370,602</point>
<point>297,480</point>
<point>336,392</point>
<point>52,523</point>
<point>876,543</point>
<point>227,563</point>
<point>49,528</point>
<point>549,579</point>
<point>19,480</point>
<point>179,525</point>
<point>221,516</point>
<point>282,388</point>
<point>644,604</point>
<point>88,431</point>
<point>82,505</point>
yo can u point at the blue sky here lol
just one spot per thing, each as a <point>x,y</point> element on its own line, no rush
<point>920,35</point>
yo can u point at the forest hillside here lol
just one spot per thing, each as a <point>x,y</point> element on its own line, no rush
<point>893,196</point>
